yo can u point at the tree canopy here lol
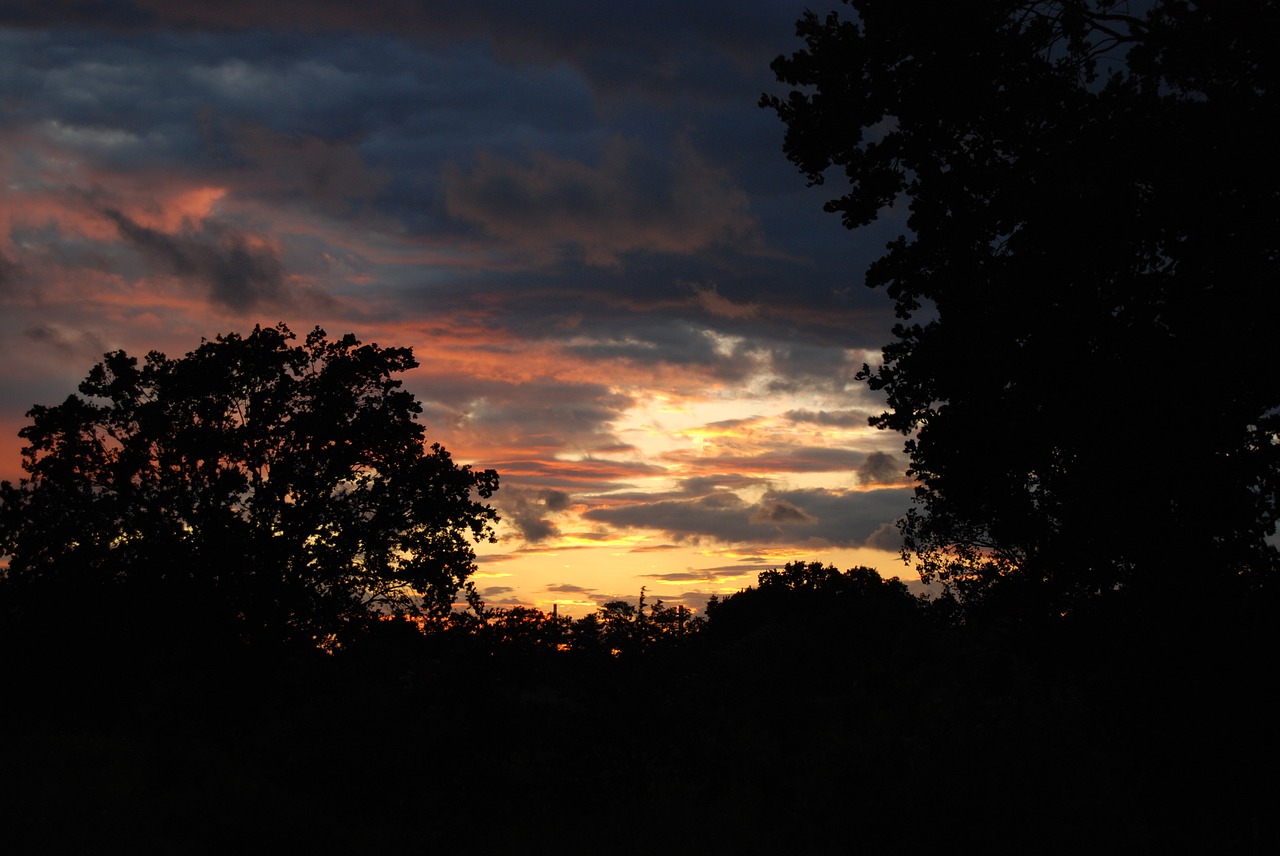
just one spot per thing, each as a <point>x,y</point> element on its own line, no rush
<point>273,488</point>
<point>1084,362</point>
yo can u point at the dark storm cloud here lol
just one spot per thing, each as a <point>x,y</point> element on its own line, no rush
<point>815,517</point>
<point>238,273</point>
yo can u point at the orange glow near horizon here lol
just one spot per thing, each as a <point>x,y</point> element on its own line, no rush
<point>599,427</point>
<point>662,438</point>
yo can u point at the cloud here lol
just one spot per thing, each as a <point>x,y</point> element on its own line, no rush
<point>239,271</point>
<point>569,588</point>
<point>781,512</point>
<point>85,344</point>
<point>329,174</point>
<point>539,418</point>
<point>664,49</point>
<point>677,348</point>
<point>699,485</point>
<point>881,468</point>
<point>832,418</point>
<point>704,574</point>
<point>529,510</point>
<point>631,200</point>
<point>709,298</point>
<point>797,459</point>
<point>812,517</point>
<point>887,537</point>
<point>805,362</point>
<point>630,242</point>
<point>11,276</point>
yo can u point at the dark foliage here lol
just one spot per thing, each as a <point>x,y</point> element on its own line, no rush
<point>255,488</point>
<point>818,712</point>
<point>1086,357</point>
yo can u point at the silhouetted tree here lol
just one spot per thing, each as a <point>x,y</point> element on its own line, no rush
<point>271,488</point>
<point>522,630</point>
<point>803,599</point>
<point>1086,354</point>
<point>622,625</point>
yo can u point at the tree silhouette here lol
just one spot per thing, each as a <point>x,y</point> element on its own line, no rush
<point>1085,358</point>
<point>805,600</point>
<point>276,489</point>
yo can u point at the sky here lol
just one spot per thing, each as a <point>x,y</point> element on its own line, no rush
<point>624,298</point>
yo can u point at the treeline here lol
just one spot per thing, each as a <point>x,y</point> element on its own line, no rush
<point>819,711</point>
<point>617,628</point>
<point>798,593</point>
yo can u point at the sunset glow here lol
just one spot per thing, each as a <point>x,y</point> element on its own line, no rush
<point>620,296</point>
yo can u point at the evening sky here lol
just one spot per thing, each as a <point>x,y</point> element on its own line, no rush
<point>624,298</point>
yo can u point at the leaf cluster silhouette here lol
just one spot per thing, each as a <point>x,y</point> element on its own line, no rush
<point>1084,363</point>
